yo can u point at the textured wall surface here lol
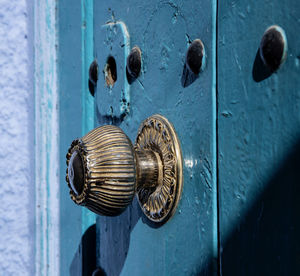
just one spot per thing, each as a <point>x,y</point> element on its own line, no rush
<point>16,140</point>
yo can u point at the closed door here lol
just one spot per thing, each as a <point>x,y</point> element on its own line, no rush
<point>238,126</point>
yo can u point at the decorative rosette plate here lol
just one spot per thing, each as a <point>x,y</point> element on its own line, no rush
<point>159,202</point>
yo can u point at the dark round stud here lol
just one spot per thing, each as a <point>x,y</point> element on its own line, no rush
<point>195,56</point>
<point>76,173</point>
<point>273,47</point>
<point>93,77</point>
<point>134,62</point>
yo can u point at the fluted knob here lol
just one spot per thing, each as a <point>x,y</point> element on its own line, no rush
<point>105,171</point>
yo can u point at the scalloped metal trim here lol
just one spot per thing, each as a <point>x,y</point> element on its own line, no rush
<point>76,146</point>
<point>156,133</point>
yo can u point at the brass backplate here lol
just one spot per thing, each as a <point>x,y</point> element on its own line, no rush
<point>159,203</point>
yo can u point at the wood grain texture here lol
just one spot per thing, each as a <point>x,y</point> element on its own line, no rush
<point>46,140</point>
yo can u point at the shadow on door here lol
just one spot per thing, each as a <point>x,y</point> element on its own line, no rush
<point>267,240</point>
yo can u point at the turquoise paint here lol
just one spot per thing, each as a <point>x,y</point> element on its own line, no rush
<point>248,130</point>
<point>112,39</point>
<point>259,132</point>
<point>186,244</point>
<point>46,139</point>
<point>70,110</point>
<point>88,217</point>
<point>214,130</point>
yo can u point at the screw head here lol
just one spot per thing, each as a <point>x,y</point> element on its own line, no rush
<point>273,47</point>
<point>194,56</point>
<point>134,62</point>
<point>93,76</point>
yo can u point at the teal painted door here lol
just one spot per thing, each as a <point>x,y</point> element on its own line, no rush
<point>238,213</point>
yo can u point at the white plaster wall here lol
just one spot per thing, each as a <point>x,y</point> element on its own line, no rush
<point>16,139</point>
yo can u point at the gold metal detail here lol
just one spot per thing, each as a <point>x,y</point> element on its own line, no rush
<point>109,170</point>
<point>157,135</point>
<point>105,170</point>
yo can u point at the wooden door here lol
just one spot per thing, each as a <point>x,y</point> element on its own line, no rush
<point>238,128</point>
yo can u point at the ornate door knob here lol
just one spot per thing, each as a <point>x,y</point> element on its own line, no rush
<point>105,170</point>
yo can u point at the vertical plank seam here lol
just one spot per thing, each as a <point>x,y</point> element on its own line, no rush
<point>88,218</point>
<point>217,141</point>
<point>215,245</point>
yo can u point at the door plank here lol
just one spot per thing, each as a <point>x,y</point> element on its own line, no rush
<point>187,244</point>
<point>258,141</point>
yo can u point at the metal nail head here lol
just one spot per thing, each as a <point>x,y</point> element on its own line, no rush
<point>134,63</point>
<point>273,47</point>
<point>195,56</point>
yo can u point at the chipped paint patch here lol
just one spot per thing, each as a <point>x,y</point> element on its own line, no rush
<point>46,139</point>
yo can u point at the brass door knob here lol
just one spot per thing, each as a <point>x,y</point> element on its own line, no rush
<point>105,170</point>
